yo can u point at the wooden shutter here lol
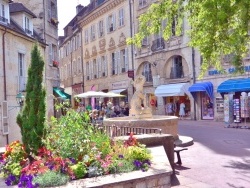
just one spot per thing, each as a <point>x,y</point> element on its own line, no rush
<point>5,123</point>
<point>126,59</point>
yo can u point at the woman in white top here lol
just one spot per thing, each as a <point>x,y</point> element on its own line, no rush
<point>182,110</point>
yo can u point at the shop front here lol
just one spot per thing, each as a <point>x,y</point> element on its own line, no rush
<point>203,93</point>
<point>236,96</point>
<point>176,100</point>
<point>77,89</point>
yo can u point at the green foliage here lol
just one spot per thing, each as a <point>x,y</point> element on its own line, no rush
<point>32,117</point>
<point>50,179</point>
<point>139,153</point>
<point>217,28</point>
<point>69,136</point>
<point>121,166</point>
<point>79,170</point>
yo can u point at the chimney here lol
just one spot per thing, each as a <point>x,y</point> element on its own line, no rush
<point>79,8</point>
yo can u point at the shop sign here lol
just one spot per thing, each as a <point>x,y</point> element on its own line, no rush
<point>119,85</point>
<point>131,73</point>
<point>229,70</point>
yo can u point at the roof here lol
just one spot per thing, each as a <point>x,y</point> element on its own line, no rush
<point>19,7</point>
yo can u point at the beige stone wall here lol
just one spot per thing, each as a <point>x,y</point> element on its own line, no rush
<point>14,44</point>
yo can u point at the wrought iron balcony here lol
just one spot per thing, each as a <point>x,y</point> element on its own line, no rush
<point>176,72</point>
<point>158,44</point>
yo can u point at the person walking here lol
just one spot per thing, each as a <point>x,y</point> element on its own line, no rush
<point>182,110</point>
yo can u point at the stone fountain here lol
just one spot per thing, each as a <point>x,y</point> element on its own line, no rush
<point>140,115</point>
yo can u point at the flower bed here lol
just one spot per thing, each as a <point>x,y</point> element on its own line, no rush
<point>73,149</point>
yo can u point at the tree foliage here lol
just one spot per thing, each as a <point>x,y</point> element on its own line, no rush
<point>31,118</point>
<point>217,27</point>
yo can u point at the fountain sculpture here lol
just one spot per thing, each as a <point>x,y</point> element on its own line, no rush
<point>140,115</point>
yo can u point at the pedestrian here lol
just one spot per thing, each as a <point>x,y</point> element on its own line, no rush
<point>182,110</point>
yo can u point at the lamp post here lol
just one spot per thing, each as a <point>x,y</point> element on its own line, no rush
<point>20,99</point>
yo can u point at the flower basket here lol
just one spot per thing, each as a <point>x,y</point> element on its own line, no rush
<point>55,64</point>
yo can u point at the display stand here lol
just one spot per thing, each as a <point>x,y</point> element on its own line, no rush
<point>244,108</point>
<point>228,109</point>
<point>237,110</point>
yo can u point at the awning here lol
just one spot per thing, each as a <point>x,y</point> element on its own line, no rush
<point>172,90</point>
<point>118,91</point>
<point>234,85</point>
<point>61,94</point>
<point>202,86</point>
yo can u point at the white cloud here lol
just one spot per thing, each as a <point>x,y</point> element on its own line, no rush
<point>67,11</point>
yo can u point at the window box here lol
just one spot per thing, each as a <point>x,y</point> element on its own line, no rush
<point>55,64</point>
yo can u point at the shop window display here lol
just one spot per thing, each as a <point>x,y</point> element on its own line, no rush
<point>207,107</point>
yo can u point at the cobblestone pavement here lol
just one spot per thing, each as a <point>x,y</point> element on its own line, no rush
<point>220,157</point>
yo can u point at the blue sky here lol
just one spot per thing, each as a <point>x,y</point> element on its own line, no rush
<point>66,11</point>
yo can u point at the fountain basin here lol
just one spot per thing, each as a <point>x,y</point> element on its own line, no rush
<point>168,124</point>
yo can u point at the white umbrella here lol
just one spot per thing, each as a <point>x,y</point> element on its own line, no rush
<point>90,94</point>
<point>97,94</point>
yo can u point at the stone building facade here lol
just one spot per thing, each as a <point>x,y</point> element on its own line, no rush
<point>104,27</point>
<point>17,38</point>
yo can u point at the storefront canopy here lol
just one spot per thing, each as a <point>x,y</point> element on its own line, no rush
<point>202,86</point>
<point>234,85</point>
<point>61,94</point>
<point>118,91</point>
<point>172,90</point>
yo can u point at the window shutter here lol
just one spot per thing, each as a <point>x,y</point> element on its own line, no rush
<point>116,63</point>
<point>91,70</point>
<point>126,59</point>
<point>50,54</point>
<point>114,21</point>
<point>107,24</point>
<point>99,69</point>
<point>106,66</point>
<point>5,123</point>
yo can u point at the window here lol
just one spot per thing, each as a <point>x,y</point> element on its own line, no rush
<point>3,14</point>
<point>100,28</point>
<point>69,70</point>
<point>177,68</point>
<point>174,25</point>
<point>86,36</point>
<point>124,60</point>
<point>147,72</point>
<point>21,72</point>
<point>121,17</point>
<point>142,3</point>
<point>111,23</point>
<point>79,65</point>
<point>87,71</point>
<point>92,31</point>
<point>103,66</point>
<point>73,44</point>
<point>95,69</point>
<point>114,63</point>
<point>52,53</point>
<point>74,67</point>
<point>27,25</point>
<point>52,12</point>
<point>145,41</point>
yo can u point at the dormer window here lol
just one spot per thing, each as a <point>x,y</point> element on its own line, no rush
<point>27,25</point>
<point>3,14</point>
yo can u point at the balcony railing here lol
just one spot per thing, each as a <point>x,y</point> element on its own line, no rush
<point>158,44</point>
<point>176,72</point>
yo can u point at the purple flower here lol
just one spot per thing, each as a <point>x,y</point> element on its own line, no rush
<point>137,164</point>
<point>26,181</point>
<point>121,156</point>
<point>10,180</point>
<point>147,162</point>
<point>72,160</point>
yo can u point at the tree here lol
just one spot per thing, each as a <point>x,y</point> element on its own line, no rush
<point>217,27</point>
<point>31,118</point>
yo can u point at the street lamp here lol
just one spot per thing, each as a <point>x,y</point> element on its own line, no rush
<point>20,99</point>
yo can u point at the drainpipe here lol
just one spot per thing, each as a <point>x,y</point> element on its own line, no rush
<point>131,35</point>
<point>4,75</point>
<point>194,78</point>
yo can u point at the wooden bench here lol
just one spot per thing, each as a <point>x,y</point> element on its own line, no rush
<point>177,150</point>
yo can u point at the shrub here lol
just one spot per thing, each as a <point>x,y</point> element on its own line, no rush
<point>69,136</point>
<point>79,170</point>
<point>50,179</point>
